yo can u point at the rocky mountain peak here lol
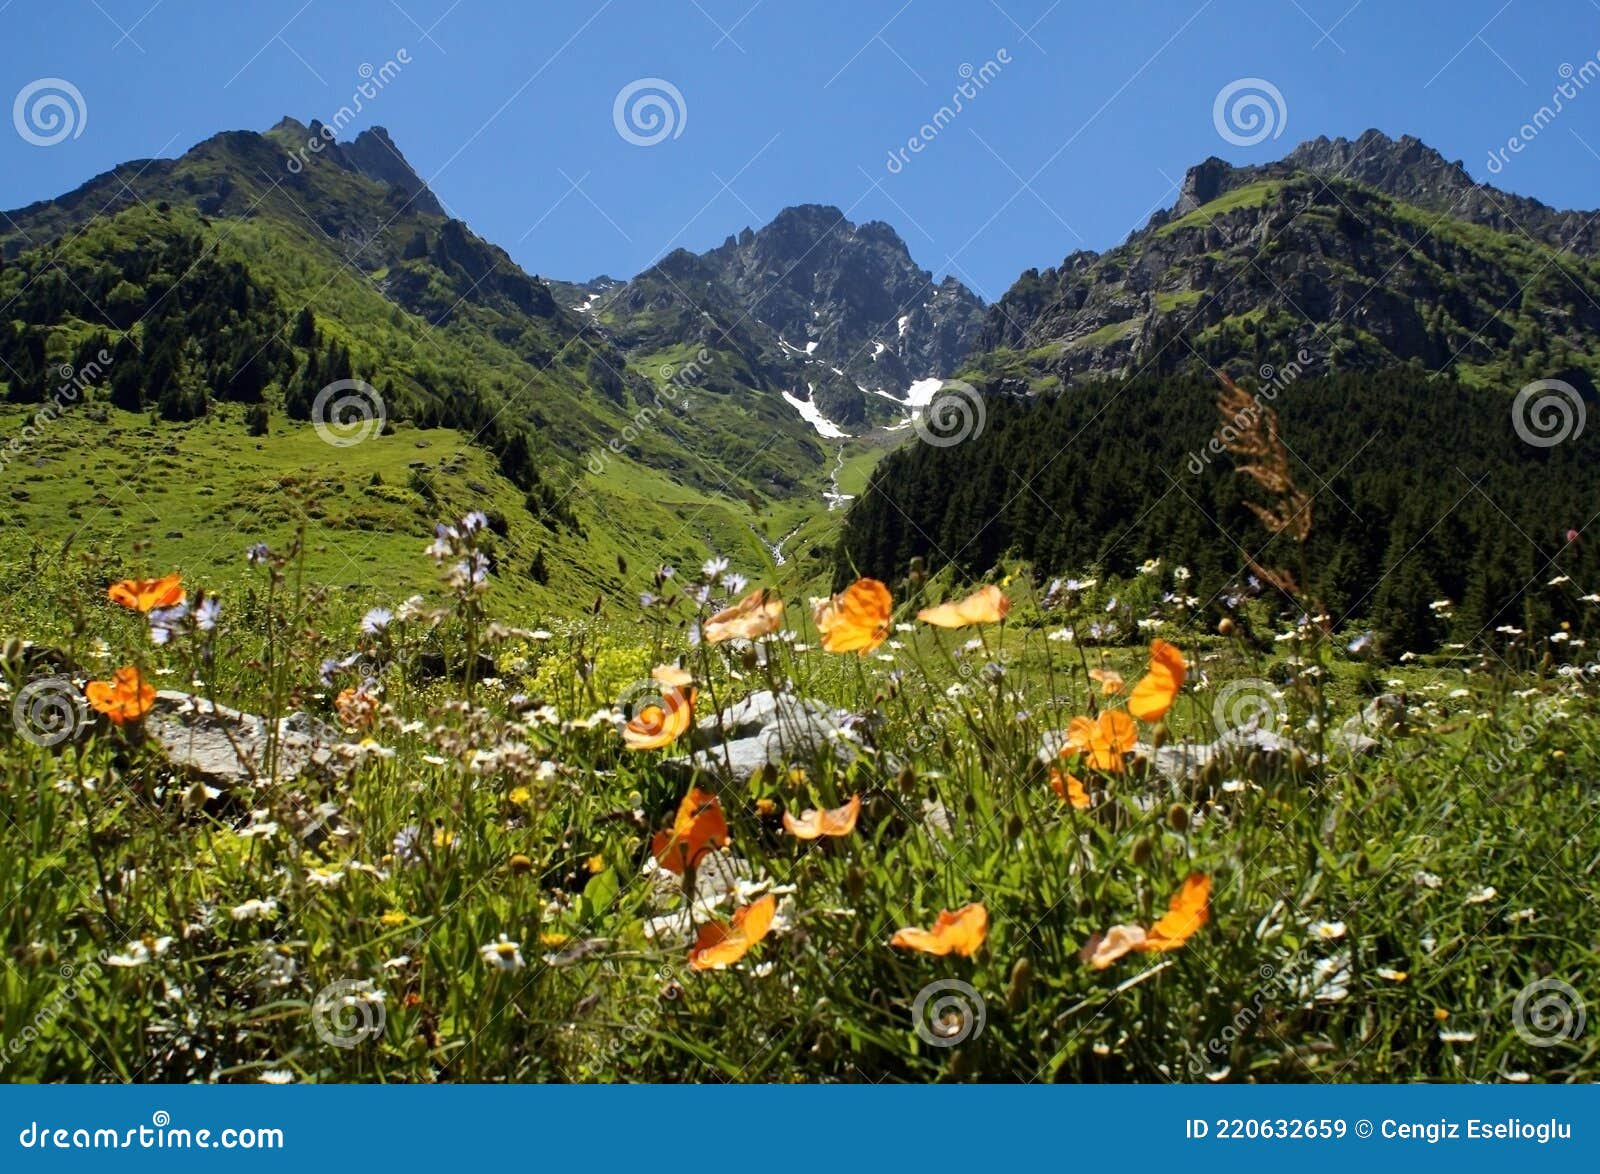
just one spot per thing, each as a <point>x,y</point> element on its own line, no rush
<point>1203,183</point>
<point>1364,252</point>
<point>835,313</point>
<point>1405,167</point>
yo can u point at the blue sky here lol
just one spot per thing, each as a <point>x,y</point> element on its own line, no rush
<point>507,108</point>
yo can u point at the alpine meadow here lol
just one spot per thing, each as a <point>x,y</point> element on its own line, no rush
<point>812,658</point>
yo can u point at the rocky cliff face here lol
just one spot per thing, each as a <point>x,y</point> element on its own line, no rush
<point>834,313</point>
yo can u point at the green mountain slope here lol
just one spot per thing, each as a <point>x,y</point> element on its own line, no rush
<point>1343,256</point>
<point>227,291</point>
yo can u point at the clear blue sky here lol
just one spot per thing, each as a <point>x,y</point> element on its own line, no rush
<point>1102,107</point>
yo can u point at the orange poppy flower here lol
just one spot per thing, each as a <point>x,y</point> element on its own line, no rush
<point>1102,741</point>
<point>697,828</point>
<point>671,675</point>
<point>126,697</point>
<point>1154,694</point>
<point>1070,788</point>
<point>1189,909</point>
<point>856,619</point>
<point>758,614</point>
<point>1111,682</point>
<point>955,932</point>
<point>720,945</point>
<point>986,605</point>
<point>1103,949</point>
<point>147,594</point>
<point>837,821</point>
<point>655,726</point>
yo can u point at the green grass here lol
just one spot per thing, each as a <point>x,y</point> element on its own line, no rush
<point>1353,934</point>
<point>1168,300</point>
<point>1250,195</point>
<point>1109,333</point>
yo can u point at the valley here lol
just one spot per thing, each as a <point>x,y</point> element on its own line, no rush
<point>422,670</point>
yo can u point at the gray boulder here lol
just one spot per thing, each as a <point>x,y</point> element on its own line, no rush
<point>225,747</point>
<point>768,729</point>
<point>1184,762</point>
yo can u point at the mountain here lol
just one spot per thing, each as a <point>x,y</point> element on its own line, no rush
<point>1344,255</point>
<point>837,315</point>
<point>1380,309</point>
<point>230,288</point>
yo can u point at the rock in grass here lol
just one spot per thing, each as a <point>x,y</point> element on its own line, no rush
<point>767,728</point>
<point>1185,762</point>
<point>225,747</point>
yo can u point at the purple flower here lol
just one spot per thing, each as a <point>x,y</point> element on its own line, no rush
<point>332,668</point>
<point>165,622</point>
<point>205,616</point>
<point>406,845</point>
<point>258,554</point>
<point>376,620</point>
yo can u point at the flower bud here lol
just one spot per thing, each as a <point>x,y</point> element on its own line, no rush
<point>1021,985</point>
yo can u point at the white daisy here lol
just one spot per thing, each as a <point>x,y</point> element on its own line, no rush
<point>138,953</point>
<point>503,954</point>
<point>254,909</point>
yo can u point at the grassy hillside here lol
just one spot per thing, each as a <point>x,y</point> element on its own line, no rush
<point>494,397</point>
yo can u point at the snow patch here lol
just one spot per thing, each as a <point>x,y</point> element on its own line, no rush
<point>920,394</point>
<point>810,347</point>
<point>812,415</point>
<point>905,321</point>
